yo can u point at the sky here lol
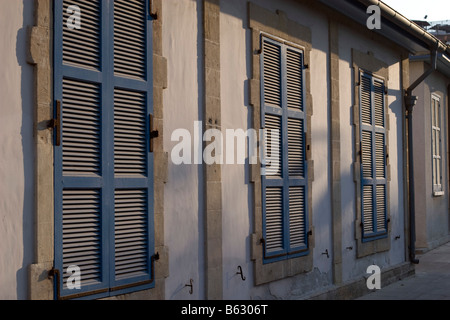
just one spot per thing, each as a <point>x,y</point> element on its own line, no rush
<point>436,10</point>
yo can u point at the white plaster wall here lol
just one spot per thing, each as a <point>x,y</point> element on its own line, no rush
<point>352,267</point>
<point>16,149</point>
<point>237,191</point>
<point>237,203</point>
<point>183,205</point>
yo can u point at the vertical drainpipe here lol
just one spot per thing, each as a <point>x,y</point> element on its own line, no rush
<point>410,102</point>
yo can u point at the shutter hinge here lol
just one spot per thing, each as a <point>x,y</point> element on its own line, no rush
<point>151,13</point>
<point>153,133</point>
<point>55,274</point>
<point>55,124</point>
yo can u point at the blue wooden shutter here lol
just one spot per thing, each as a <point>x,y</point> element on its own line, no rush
<point>103,167</point>
<point>296,177</point>
<point>133,163</point>
<point>285,182</point>
<point>373,157</point>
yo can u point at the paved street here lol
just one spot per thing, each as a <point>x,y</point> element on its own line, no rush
<point>431,281</point>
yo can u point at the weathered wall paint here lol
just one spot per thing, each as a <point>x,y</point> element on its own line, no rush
<point>16,150</point>
<point>184,225</point>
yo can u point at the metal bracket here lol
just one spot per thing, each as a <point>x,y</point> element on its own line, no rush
<point>191,285</point>
<point>153,133</point>
<point>55,123</point>
<point>240,273</point>
<point>56,275</point>
<point>151,13</point>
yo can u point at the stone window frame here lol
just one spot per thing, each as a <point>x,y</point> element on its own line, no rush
<point>277,25</point>
<point>366,62</point>
<point>40,55</point>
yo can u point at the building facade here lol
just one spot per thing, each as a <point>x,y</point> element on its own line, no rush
<point>123,172</point>
<point>431,151</point>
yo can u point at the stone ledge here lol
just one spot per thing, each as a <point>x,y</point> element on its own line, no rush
<point>357,288</point>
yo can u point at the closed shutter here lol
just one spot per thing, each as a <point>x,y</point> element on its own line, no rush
<point>373,157</point>
<point>132,160</point>
<point>284,182</point>
<point>103,168</point>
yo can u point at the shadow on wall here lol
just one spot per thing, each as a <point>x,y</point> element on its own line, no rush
<point>27,110</point>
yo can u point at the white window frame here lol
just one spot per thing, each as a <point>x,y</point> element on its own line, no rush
<point>436,145</point>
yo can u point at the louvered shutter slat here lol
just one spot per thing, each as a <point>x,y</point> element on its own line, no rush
<point>366,154</point>
<point>273,145</point>
<point>296,148</point>
<point>131,248</point>
<point>272,74</point>
<point>297,222</point>
<point>81,47</point>
<point>82,234</point>
<point>130,38</point>
<point>368,208</point>
<point>294,82</point>
<point>274,219</point>
<point>129,133</point>
<point>380,155</point>
<point>366,105</point>
<point>81,128</point>
<point>381,207</point>
<point>378,88</point>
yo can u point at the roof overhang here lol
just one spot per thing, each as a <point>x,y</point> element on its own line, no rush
<point>443,62</point>
<point>394,26</point>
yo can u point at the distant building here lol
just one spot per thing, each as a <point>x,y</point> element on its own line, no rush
<point>441,30</point>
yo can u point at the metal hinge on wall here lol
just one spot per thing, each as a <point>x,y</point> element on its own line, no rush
<point>151,10</point>
<point>153,133</point>
<point>55,274</point>
<point>55,124</point>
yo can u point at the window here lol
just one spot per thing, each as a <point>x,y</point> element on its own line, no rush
<point>284,185</point>
<point>103,163</point>
<point>373,157</point>
<point>436,145</point>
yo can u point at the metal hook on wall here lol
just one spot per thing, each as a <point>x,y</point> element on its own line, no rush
<point>241,273</point>
<point>191,285</point>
